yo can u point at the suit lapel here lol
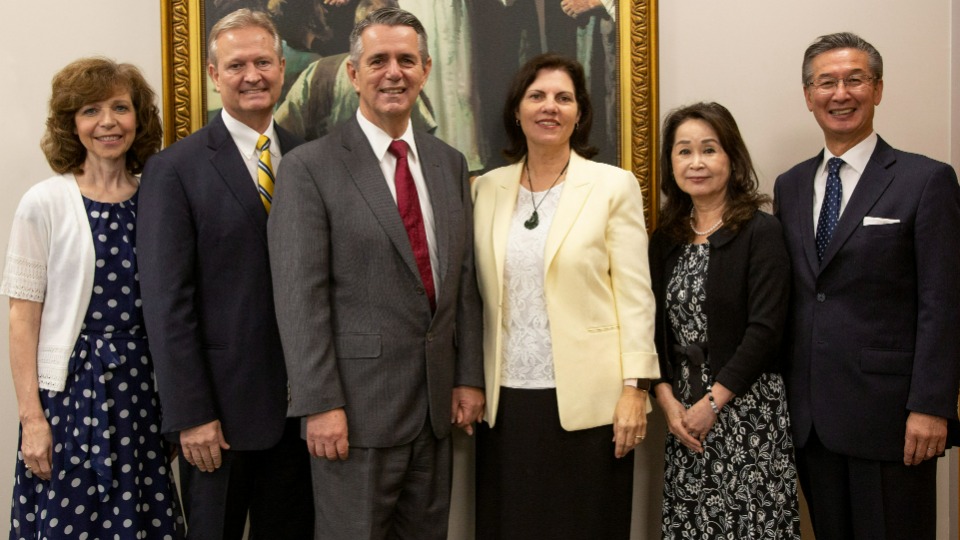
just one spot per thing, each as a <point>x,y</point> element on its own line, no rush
<point>574,195</point>
<point>873,182</point>
<point>364,169</point>
<point>804,188</point>
<point>438,183</point>
<point>508,186</point>
<point>228,162</point>
<point>288,141</point>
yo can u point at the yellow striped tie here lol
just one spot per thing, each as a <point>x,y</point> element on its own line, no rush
<point>265,172</point>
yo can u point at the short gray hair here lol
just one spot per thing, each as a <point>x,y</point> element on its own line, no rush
<point>388,16</point>
<point>242,18</point>
<point>841,40</point>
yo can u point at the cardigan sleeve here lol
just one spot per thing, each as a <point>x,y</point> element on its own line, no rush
<point>768,291</point>
<point>25,270</point>
<point>659,244</point>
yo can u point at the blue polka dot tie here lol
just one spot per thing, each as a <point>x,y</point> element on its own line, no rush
<point>830,209</point>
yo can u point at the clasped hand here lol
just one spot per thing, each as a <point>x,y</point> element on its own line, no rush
<point>689,426</point>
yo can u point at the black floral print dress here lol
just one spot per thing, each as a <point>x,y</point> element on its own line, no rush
<point>744,484</point>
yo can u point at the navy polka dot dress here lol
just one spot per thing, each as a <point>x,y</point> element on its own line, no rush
<point>111,476</point>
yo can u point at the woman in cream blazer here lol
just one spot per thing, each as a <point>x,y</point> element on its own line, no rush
<point>568,321</point>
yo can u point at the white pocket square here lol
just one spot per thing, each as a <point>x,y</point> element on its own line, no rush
<point>867,221</point>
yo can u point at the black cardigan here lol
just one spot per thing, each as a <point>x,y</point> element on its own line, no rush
<point>748,288</point>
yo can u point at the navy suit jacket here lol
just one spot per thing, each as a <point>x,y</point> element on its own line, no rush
<point>874,330</point>
<point>207,296</point>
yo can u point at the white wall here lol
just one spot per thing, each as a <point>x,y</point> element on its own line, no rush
<point>746,55</point>
<point>743,53</point>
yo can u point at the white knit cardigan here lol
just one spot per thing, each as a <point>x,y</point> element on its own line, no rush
<point>50,259</point>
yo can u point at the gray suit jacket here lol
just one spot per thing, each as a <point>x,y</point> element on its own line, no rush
<point>355,323</point>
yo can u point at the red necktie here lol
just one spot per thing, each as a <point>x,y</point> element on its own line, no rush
<point>409,205</point>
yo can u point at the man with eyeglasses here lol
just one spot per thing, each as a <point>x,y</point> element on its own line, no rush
<point>872,344</point>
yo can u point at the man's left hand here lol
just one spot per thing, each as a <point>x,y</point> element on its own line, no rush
<point>926,438</point>
<point>467,407</point>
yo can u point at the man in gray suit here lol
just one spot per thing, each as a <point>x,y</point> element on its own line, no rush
<point>371,247</point>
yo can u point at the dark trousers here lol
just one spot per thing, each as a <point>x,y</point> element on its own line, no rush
<point>273,485</point>
<point>852,498</point>
<point>401,492</point>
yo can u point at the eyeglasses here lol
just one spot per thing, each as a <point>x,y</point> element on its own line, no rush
<point>829,85</point>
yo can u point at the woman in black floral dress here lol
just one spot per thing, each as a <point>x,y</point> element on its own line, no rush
<point>720,275</point>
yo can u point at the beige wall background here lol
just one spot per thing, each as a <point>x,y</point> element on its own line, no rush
<point>744,54</point>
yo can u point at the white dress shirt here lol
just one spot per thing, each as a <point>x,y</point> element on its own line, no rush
<point>854,162</point>
<point>246,139</point>
<point>380,143</point>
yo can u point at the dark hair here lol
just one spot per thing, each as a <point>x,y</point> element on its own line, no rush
<point>743,198</point>
<point>86,81</point>
<point>580,140</point>
<point>841,40</point>
<point>388,16</point>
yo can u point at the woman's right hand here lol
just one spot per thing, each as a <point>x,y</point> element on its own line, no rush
<point>37,447</point>
<point>36,438</point>
<point>674,412</point>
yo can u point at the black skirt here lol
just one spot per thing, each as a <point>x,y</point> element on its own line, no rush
<point>536,480</point>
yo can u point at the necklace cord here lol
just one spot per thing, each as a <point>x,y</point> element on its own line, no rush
<point>534,219</point>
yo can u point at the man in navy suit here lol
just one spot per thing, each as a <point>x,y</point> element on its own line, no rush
<point>208,301</point>
<point>872,344</point>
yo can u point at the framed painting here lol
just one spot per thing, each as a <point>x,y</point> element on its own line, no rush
<point>476,46</point>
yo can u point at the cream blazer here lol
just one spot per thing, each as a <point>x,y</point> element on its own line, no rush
<point>597,281</point>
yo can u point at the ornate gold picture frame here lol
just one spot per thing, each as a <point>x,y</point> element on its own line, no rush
<point>184,76</point>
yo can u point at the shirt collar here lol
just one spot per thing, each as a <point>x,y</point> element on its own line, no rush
<point>246,137</point>
<point>856,157</point>
<point>380,140</point>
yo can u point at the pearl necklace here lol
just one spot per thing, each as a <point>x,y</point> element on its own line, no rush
<point>707,232</point>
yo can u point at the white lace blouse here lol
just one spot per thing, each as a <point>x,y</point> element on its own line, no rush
<point>527,347</point>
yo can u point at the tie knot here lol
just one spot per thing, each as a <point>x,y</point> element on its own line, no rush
<point>263,143</point>
<point>834,165</point>
<point>398,149</point>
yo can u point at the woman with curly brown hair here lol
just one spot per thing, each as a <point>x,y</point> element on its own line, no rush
<point>92,462</point>
<point>720,274</point>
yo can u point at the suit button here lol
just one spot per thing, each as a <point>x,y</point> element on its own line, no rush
<point>821,297</point>
<point>429,336</point>
<point>420,290</point>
